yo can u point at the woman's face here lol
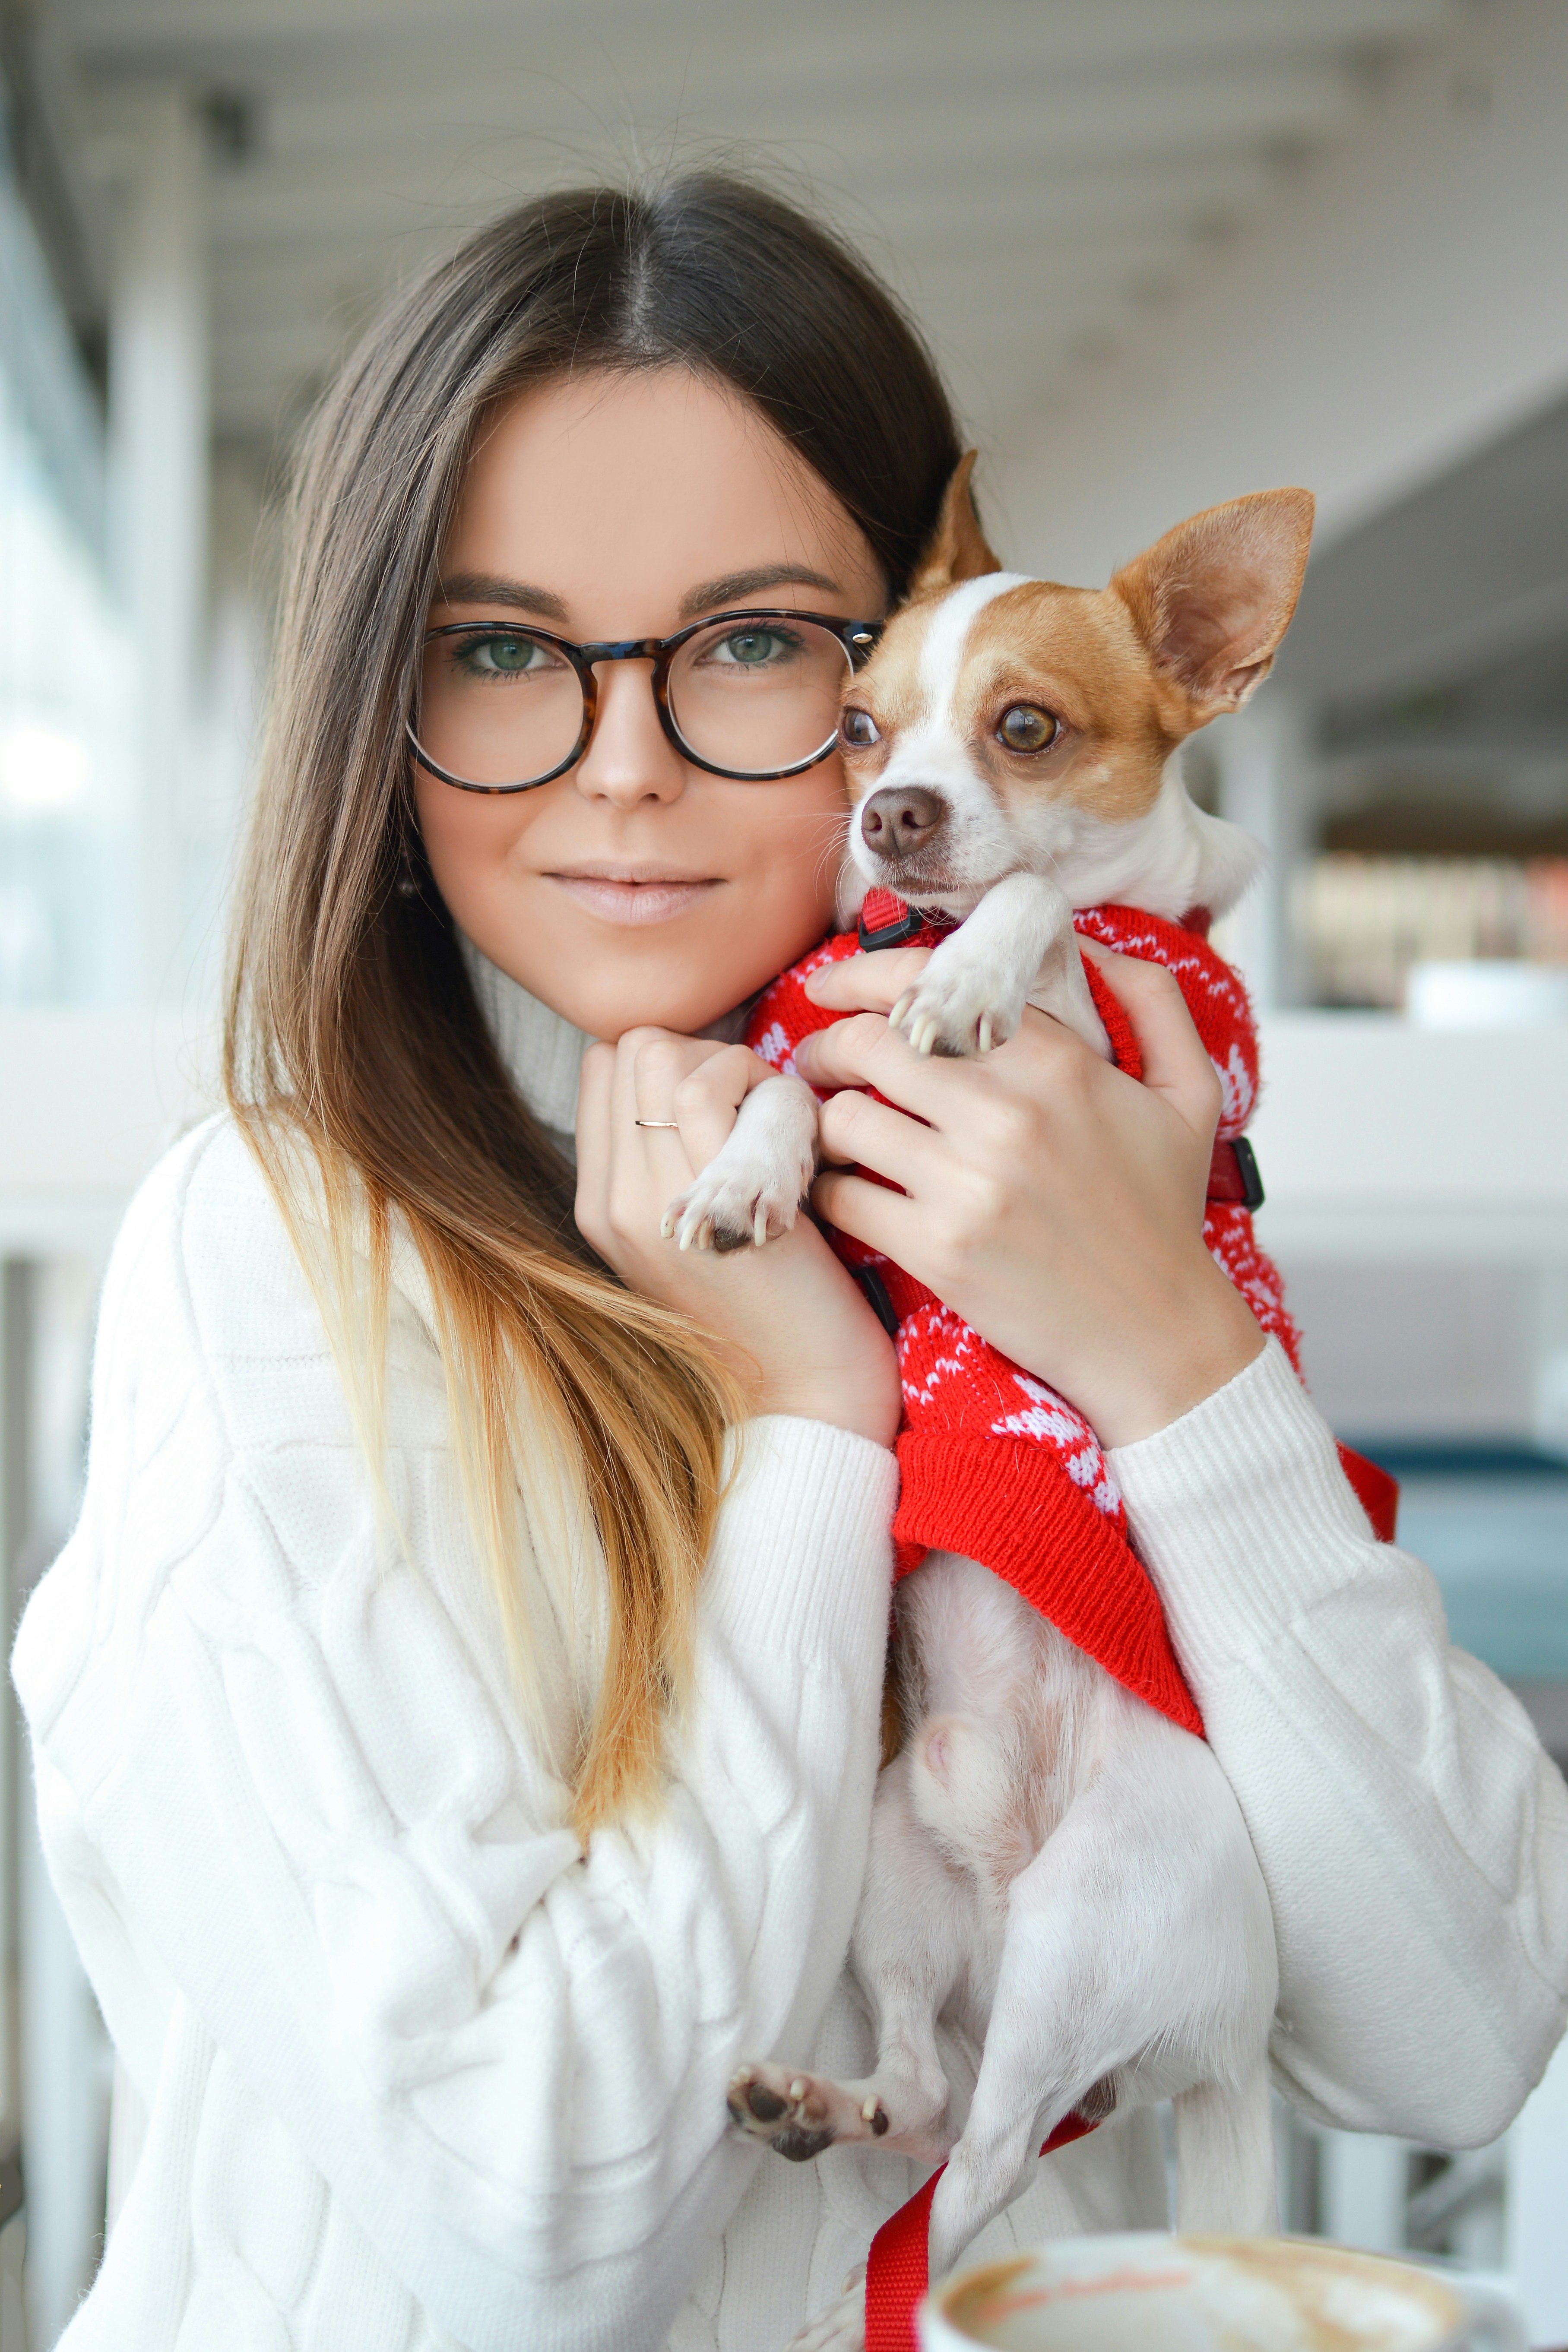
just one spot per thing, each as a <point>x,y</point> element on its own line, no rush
<point>638,888</point>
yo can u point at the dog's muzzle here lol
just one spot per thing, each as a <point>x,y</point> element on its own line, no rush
<point>900,819</point>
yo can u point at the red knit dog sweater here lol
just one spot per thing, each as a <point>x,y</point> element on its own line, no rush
<point>994,1462</point>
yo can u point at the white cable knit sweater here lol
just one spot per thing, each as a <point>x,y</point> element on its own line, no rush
<point>422,2073</point>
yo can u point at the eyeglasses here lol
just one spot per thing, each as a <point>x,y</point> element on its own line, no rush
<point>753,696</point>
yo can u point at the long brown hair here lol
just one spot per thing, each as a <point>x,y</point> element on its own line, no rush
<point>352,1027</point>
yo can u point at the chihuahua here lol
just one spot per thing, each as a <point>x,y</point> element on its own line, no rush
<point>1055,1866</point>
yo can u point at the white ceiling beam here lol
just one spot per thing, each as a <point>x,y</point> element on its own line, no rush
<point>349,210</point>
<point>1100,198</point>
<point>124,33</point>
<point>956,107</point>
<point>404,183</point>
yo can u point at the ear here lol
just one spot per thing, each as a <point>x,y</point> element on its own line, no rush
<point>1212,598</point>
<point>957,550</point>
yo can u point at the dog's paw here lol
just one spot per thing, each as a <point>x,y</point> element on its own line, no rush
<point>955,1009</point>
<point>735,1206</point>
<point>842,2327</point>
<point>799,2114</point>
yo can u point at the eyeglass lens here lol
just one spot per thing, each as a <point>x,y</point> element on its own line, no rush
<point>498,706</point>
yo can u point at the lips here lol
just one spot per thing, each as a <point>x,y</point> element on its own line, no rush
<point>635,900</point>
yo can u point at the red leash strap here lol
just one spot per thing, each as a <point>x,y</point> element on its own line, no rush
<point>896,2272</point>
<point>898,2266</point>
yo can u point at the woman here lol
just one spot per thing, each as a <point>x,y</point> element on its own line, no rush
<point>455,1734</point>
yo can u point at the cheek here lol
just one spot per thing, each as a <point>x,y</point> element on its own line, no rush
<point>784,852</point>
<point>468,835</point>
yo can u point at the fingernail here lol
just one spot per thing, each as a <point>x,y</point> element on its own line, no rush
<point>802,1055</point>
<point>808,985</point>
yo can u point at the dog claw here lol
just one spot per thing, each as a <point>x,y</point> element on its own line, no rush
<point>901,1007</point>
<point>985,1032</point>
<point>799,2114</point>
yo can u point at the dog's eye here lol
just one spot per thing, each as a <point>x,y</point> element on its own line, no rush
<point>1024,729</point>
<point>858,729</point>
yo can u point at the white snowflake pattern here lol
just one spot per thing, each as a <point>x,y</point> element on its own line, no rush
<point>773,1047</point>
<point>1091,1471</point>
<point>1047,1415</point>
<point>1237,1091</point>
<point>927,1325</point>
<point>1050,1420</point>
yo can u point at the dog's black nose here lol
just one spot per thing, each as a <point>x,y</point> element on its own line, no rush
<point>897,821</point>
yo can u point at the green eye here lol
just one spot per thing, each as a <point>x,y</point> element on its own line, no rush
<point>505,653</point>
<point>1024,729</point>
<point>858,729</point>
<point>510,653</point>
<point>752,646</point>
<point>501,655</point>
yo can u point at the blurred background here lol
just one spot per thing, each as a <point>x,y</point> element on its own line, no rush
<point>1167,251</point>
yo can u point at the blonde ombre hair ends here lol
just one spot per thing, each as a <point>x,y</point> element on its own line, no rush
<point>355,1057</point>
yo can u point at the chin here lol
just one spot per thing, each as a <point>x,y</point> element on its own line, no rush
<point>609,1012</point>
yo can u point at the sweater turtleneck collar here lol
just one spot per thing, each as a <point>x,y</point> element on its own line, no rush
<point>542,1050</point>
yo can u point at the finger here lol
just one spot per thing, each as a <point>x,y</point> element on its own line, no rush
<point>708,1098</point>
<point>1175,1059</point>
<point>867,984</point>
<point>864,1051</point>
<point>638,1174</point>
<point>854,1129</point>
<point>869,1212</point>
<point>659,1060</point>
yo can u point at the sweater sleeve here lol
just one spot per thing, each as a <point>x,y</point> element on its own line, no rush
<point>1412,1832</point>
<point>280,1775</point>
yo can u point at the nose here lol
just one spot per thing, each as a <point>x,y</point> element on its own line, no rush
<point>900,819</point>
<point>629,759</point>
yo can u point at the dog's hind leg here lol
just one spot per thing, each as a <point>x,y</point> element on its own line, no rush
<point>1139,1949</point>
<point>916,1931</point>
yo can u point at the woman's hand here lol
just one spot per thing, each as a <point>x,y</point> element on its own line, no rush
<point>791,1321</point>
<point>1056,1204</point>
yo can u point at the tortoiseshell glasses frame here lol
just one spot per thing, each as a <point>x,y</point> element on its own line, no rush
<point>859,639</point>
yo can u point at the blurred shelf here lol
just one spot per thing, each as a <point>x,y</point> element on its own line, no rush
<point>1381,1141</point>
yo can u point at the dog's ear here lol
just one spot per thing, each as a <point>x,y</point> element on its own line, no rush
<point>958,550</point>
<point>1213,598</point>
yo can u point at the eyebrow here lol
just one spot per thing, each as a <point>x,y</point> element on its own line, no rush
<point>732,585</point>
<point>495,588</point>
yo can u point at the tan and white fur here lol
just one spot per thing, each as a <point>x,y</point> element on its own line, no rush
<point>949,816</point>
<point>1056,1868</point>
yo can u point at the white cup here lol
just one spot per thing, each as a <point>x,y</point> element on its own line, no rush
<point>1145,2292</point>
